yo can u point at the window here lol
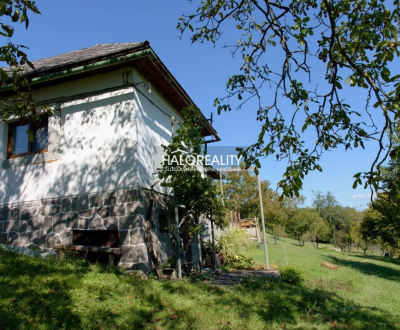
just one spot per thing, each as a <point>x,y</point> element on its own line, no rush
<point>19,143</point>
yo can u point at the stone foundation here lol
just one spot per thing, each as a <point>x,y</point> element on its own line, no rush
<point>47,222</point>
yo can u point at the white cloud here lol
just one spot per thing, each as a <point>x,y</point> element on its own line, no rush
<point>361,196</point>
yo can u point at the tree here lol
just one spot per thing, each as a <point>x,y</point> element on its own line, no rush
<point>368,229</point>
<point>287,49</point>
<point>15,77</point>
<point>194,190</point>
<point>241,193</point>
<point>329,209</point>
<point>300,223</point>
<point>319,229</point>
<point>382,222</point>
<point>346,234</point>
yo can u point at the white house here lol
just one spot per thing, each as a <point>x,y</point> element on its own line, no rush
<point>91,166</point>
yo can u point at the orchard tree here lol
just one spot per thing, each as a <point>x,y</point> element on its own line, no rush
<point>299,59</point>
<point>241,193</point>
<point>383,222</point>
<point>319,229</point>
<point>368,229</point>
<point>329,209</point>
<point>300,224</point>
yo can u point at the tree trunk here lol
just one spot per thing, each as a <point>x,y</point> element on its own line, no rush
<point>273,233</point>
<point>334,238</point>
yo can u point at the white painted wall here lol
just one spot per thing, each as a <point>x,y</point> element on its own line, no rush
<point>107,142</point>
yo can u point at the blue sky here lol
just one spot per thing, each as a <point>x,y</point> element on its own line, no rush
<point>201,69</point>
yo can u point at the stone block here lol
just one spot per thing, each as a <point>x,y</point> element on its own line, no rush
<point>35,223</point>
<point>59,222</point>
<point>123,237</point>
<point>72,220</point>
<point>66,204</point>
<point>4,213</point>
<point>131,222</point>
<point>11,225</point>
<point>52,210</point>
<point>41,210</point>
<point>96,222</point>
<point>88,213</point>
<point>23,227</point>
<point>25,238</point>
<point>13,238</point>
<point>111,223</point>
<point>48,224</point>
<point>15,214</point>
<point>28,213</point>
<point>110,197</point>
<point>104,211</point>
<point>128,195</point>
<point>52,239</point>
<point>96,200</point>
<point>23,206</point>
<point>67,240</point>
<point>136,208</point>
<point>83,223</point>
<point>80,203</point>
<point>118,210</point>
<point>39,238</point>
<point>137,236</point>
<point>67,232</point>
<point>50,202</point>
<point>28,205</point>
<point>134,254</point>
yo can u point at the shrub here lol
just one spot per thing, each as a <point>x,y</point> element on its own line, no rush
<point>238,262</point>
<point>292,275</point>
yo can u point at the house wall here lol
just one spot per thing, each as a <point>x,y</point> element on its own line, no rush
<point>105,142</point>
<point>107,146</point>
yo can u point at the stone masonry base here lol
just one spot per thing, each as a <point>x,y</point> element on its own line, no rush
<point>47,222</point>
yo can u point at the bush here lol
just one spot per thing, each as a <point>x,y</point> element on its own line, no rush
<point>231,246</point>
<point>238,262</point>
<point>236,242</point>
<point>292,275</point>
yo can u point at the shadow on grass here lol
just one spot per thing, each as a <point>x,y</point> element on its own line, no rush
<point>378,258</point>
<point>49,295</point>
<point>287,304</point>
<point>369,268</point>
<point>33,293</point>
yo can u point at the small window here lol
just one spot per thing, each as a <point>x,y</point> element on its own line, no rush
<point>19,143</point>
<point>163,222</point>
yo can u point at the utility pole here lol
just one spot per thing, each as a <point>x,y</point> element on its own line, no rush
<point>263,223</point>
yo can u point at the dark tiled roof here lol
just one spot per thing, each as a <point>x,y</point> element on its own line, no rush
<point>82,57</point>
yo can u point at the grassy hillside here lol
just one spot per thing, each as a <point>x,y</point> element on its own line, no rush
<point>369,280</point>
<point>47,294</point>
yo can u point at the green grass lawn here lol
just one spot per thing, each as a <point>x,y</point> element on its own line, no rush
<point>48,294</point>
<point>369,280</point>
